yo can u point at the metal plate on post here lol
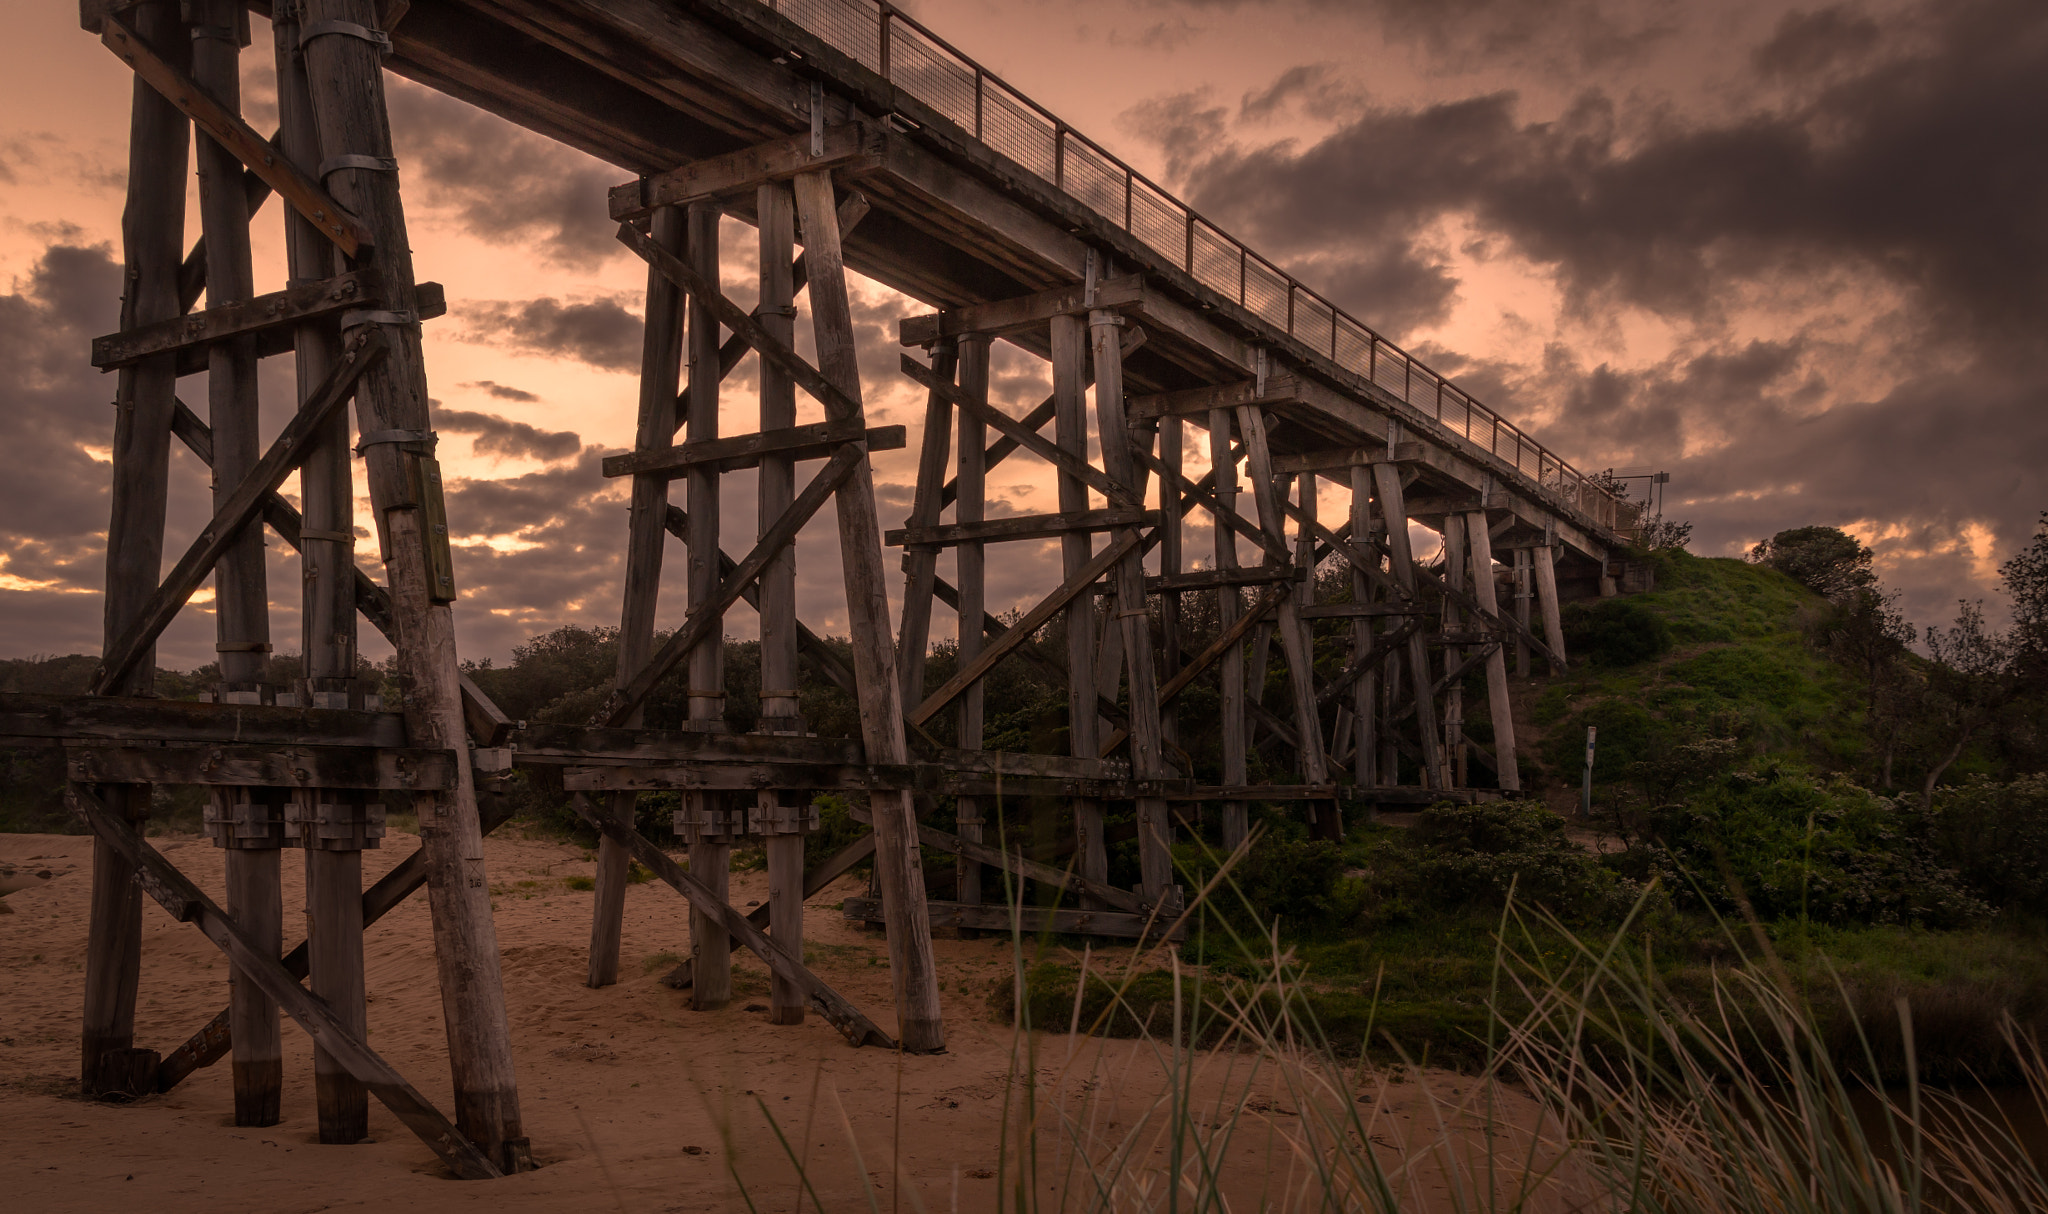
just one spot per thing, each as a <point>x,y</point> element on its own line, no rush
<point>426,486</point>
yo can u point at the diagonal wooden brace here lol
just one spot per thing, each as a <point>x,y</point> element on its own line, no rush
<point>239,510</point>
<point>210,1044</point>
<point>306,195</point>
<point>837,404</point>
<point>830,869</point>
<point>708,615</point>
<point>1022,630</point>
<point>186,903</point>
<point>834,1007</point>
<point>1021,435</point>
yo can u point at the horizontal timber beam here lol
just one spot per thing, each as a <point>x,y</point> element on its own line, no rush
<point>1010,315</point>
<point>853,146</point>
<point>261,766</point>
<point>1022,527</point>
<point>815,441</point>
<point>279,309</point>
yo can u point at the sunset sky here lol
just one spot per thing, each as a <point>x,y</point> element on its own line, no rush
<point>1797,256</point>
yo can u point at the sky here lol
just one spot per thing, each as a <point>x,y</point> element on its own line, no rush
<point>1794,255</point>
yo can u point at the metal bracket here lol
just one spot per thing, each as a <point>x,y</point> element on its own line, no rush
<point>356,160</point>
<point>347,29</point>
<point>377,437</point>
<point>817,118</point>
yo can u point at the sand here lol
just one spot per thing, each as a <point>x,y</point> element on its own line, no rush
<point>632,1100</point>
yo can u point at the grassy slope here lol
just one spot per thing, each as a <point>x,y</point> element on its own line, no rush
<point>1741,666</point>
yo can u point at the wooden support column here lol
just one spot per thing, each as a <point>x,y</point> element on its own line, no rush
<point>708,831</point>
<point>661,354</point>
<point>1525,589</point>
<point>921,561</point>
<point>971,479</point>
<point>1229,609</point>
<point>346,78</point>
<point>1070,430</point>
<point>1365,692</point>
<point>333,827</point>
<point>912,969</point>
<point>1148,746</point>
<point>240,591</point>
<point>1292,630</point>
<point>145,399</point>
<point>1394,505</point>
<point>1545,561</point>
<point>775,215</point>
<point>1454,658</point>
<point>1172,442</point>
<point>779,811</point>
<point>1326,818</point>
<point>1499,706</point>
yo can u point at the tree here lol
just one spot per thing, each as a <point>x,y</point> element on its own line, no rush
<point>1973,679</point>
<point>1826,560</point>
<point>2026,580</point>
<point>1869,634</point>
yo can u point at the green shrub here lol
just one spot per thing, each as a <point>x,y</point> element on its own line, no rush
<point>1996,837</point>
<point>1462,855</point>
<point>1615,632</point>
<point>1299,882</point>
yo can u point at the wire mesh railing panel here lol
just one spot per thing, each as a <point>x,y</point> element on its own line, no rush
<point>1314,323</point>
<point>1160,222</point>
<point>854,26</point>
<point>932,74</point>
<point>1217,261</point>
<point>1095,179</point>
<point>1018,131</point>
<point>1265,292</point>
<point>1354,346</point>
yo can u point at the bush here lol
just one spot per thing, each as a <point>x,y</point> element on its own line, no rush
<point>1787,846</point>
<point>1299,882</point>
<point>1615,632</point>
<point>1465,854</point>
<point>1996,837</point>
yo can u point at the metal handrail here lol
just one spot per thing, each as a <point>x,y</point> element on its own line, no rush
<point>905,53</point>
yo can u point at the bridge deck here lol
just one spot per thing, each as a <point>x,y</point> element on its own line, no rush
<point>652,84</point>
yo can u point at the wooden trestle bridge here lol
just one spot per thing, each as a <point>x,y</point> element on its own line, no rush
<point>843,129</point>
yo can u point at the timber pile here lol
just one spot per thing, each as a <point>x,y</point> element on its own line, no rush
<point>729,110</point>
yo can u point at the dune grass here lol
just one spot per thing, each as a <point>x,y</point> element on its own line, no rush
<point>1594,1086</point>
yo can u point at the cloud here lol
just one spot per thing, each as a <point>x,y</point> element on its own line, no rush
<point>503,391</point>
<point>494,435</point>
<point>600,332</point>
<point>500,182</point>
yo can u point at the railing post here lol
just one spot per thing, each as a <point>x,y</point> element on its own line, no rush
<point>1240,276</point>
<point>1130,184</point>
<point>886,13</point>
<point>1191,244</point>
<point>1290,307</point>
<point>1059,155</point>
<point>980,84</point>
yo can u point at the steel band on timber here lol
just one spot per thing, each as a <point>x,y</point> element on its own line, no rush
<point>854,141</point>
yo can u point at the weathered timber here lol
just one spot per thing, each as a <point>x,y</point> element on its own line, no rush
<point>1023,527</point>
<point>346,79</point>
<point>228,765</point>
<point>210,1044</point>
<point>913,972</point>
<point>236,136</point>
<point>837,1011</point>
<point>196,332</point>
<point>1022,435</point>
<point>815,441</point>
<point>152,233</point>
<point>1500,706</point>
<point>234,513</point>
<point>828,870</point>
<point>1022,630</point>
<point>849,146</point>
<point>1006,316</point>
<point>705,617</point>
<point>921,564</point>
<point>29,719</point>
<point>184,902</point>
